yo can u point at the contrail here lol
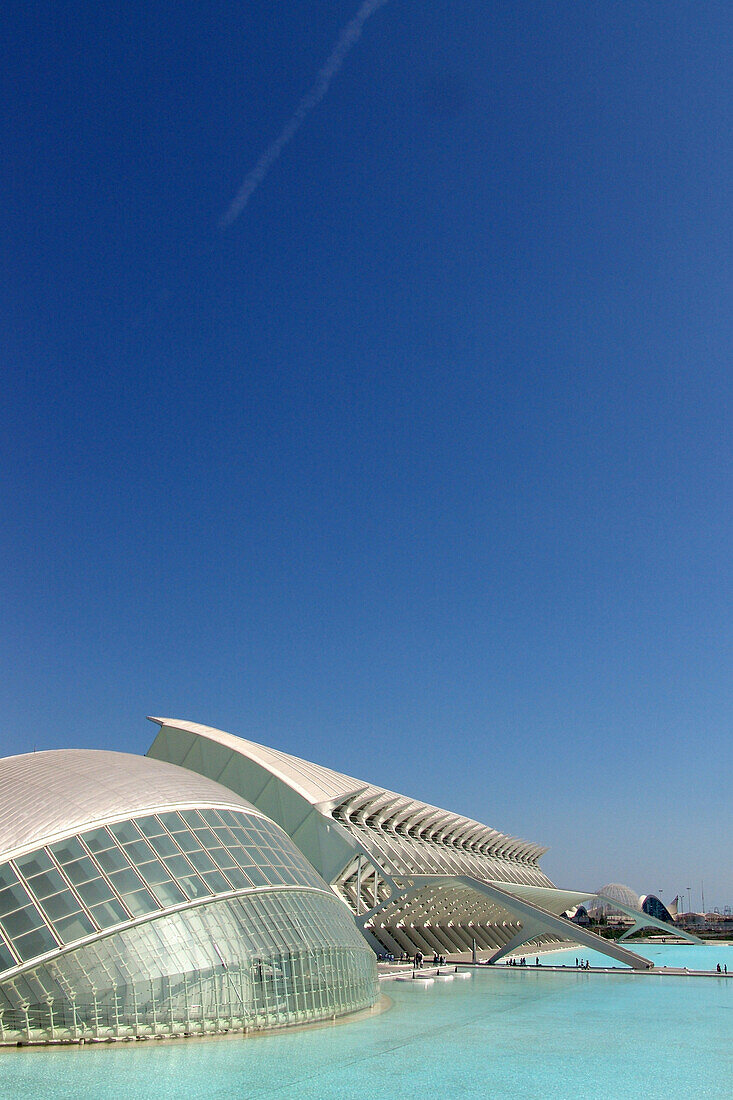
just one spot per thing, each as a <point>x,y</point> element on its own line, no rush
<point>346,39</point>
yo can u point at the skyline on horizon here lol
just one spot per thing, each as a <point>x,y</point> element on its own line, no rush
<point>420,468</point>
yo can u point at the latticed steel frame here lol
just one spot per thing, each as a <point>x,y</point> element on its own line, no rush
<point>403,839</point>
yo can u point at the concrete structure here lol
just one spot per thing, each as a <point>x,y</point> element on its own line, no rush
<point>138,898</point>
<point>414,876</point>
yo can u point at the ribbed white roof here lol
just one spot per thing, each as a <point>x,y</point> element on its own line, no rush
<point>324,787</point>
<point>49,794</point>
<point>314,782</point>
<point>616,891</point>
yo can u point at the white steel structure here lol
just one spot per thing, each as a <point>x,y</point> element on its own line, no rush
<point>414,876</point>
<point>138,898</point>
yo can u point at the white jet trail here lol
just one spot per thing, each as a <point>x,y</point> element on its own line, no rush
<point>346,39</point>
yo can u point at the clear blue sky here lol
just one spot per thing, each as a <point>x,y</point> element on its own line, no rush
<point>421,469</point>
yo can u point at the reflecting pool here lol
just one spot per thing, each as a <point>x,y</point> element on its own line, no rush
<point>702,956</point>
<point>499,1032</point>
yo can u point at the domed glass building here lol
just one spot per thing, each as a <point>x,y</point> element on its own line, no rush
<point>615,892</point>
<point>139,898</point>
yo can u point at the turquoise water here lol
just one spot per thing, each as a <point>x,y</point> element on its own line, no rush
<point>704,956</point>
<point>499,1033</point>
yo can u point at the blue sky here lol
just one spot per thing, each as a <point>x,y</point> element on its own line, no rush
<point>421,468</point>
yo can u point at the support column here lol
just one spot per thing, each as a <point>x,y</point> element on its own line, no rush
<point>527,932</point>
<point>358,887</point>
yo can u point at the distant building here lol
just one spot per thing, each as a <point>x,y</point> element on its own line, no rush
<point>618,905</point>
<point>655,907</point>
<point>614,901</point>
<point>578,915</point>
<point>712,924</point>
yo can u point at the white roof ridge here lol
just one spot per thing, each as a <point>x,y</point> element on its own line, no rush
<point>323,786</point>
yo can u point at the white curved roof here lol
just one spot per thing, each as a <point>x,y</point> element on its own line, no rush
<point>49,794</point>
<point>616,891</point>
<point>314,782</point>
<point>328,789</point>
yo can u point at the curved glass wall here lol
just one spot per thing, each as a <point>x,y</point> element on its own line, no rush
<point>255,961</point>
<point>120,872</point>
<point>173,923</point>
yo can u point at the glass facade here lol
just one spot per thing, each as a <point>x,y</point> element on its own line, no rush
<point>116,873</point>
<point>248,962</point>
<point>655,907</point>
<point>177,922</point>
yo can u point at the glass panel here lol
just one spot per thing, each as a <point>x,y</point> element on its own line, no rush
<point>150,826</point>
<point>223,851</point>
<point>14,897</point>
<point>202,861</point>
<point>192,818</point>
<point>172,822</point>
<point>49,883</point>
<point>34,864</point>
<point>6,959</point>
<point>164,846</point>
<point>211,817</point>
<point>216,881</point>
<point>125,832</point>
<point>222,858</point>
<point>245,855</point>
<point>112,861</point>
<point>178,866</point>
<point>74,927</point>
<point>81,871</point>
<point>258,878</point>
<point>165,889</point>
<point>139,852</point>
<point>91,893</point>
<point>154,872</point>
<point>8,876</point>
<point>228,817</point>
<point>168,893</point>
<point>237,878</point>
<point>140,903</point>
<point>34,943</point>
<point>225,836</point>
<point>194,887</point>
<point>126,882</point>
<point>67,850</point>
<point>248,838</point>
<point>207,837</point>
<point>60,905</point>
<point>108,913</point>
<point>98,840</point>
<point>22,921</point>
<point>160,862</point>
<point>188,841</point>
